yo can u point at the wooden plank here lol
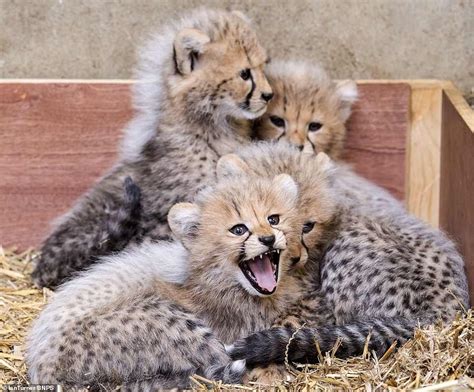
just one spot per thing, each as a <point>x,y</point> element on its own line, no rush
<point>457,183</point>
<point>56,140</point>
<point>377,131</point>
<point>423,160</point>
<point>460,104</point>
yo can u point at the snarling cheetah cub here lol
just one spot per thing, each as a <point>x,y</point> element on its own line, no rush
<point>308,108</point>
<point>201,82</point>
<point>121,324</point>
<point>382,272</point>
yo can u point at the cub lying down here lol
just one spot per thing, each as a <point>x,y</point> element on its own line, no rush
<point>121,324</point>
<point>382,272</point>
<point>308,109</point>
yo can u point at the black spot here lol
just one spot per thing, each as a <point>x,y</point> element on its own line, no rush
<point>377,290</point>
<point>391,291</point>
<point>112,330</point>
<point>406,300</point>
<point>446,273</point>
<point>447,298</point>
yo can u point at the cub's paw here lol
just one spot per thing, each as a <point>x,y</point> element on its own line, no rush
<point>44,275</point>
<point>270,375</point>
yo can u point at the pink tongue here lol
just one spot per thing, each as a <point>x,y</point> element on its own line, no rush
<point>263,272</point>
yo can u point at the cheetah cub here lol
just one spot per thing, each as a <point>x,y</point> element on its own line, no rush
<point>121,324</point>
<point>381,272</point>
<point>308,109</point>
<point>201,82</point>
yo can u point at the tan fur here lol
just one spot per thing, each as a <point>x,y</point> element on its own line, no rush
<point>317,203</point>
<point>305,94</point>
<point>381,272</point>
<point>269,376</point>
<point>201,83</point>
<point>115,332</point>
<point>214,264</point>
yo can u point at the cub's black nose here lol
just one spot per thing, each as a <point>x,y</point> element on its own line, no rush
<point>300,148</point>
<point>267,96</point>
<point>268,240</point>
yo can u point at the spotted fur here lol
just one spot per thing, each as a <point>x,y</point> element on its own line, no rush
<point>122,324</point>
<point>383,271</point>
<point>201,82</point>
<point>308,109</point>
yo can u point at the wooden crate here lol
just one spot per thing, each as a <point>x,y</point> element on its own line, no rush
<point>413,137</point>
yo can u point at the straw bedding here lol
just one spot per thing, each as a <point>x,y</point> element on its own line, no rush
<point>437,358</point>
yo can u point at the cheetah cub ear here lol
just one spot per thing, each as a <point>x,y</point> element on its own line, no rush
<point>287,188</point>
<point>188,45</point>
<point>183,219</point>
<point>323,163</point>
<point>231,165</point>
<point>346,91</point>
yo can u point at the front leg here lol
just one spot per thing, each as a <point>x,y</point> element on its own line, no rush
<point>103,221</point>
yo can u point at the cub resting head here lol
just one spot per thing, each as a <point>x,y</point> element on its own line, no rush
<point>308,109</point>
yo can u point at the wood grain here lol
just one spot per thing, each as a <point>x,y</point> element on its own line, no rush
<point>424,143</point>
<point>457,183</point>
<point>377,132</point>
<point>58,138</point>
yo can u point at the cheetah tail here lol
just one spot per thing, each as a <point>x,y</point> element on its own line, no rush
<point>275,345</point>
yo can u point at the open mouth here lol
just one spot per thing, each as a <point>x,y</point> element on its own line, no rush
<point>262,271</point>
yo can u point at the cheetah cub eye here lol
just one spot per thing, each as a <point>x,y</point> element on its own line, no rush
<point>277,121</point>
<point>239,229</point>
<point>314,126</point>
<point>274,220</point>
<point>245,74</point>
<point>307,227</point>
